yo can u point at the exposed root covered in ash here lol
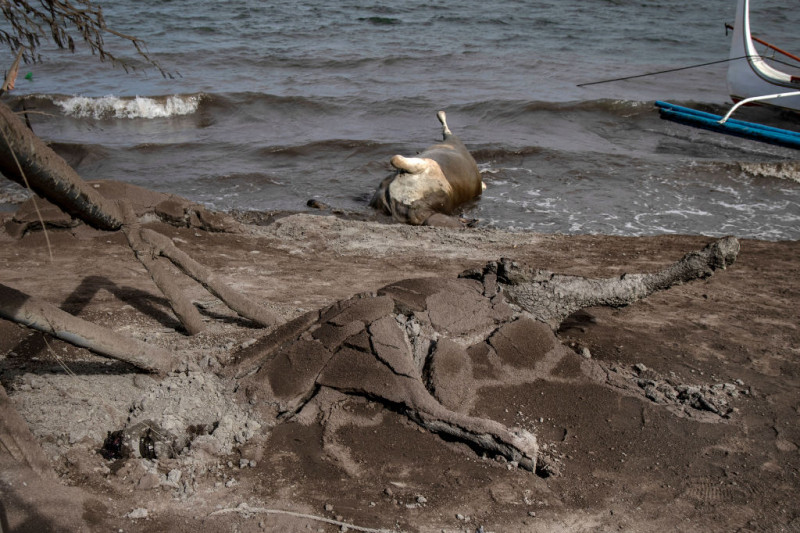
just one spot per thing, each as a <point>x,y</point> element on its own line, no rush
<point>414,344</point>
<point>552,297</point>
<point>429,349</point>
<point>361,346</point>
<point>697,401</point>
<point>425,348</point>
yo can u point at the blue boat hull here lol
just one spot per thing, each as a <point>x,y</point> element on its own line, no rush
<point>740,128</point>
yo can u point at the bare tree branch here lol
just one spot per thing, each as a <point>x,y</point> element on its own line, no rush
<point>61,22</point>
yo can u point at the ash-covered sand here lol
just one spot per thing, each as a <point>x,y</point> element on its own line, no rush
<point>687,422</point>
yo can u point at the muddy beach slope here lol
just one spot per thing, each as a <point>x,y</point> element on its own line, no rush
<point>677,413</point>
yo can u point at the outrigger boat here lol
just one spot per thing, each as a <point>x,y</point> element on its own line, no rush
<point>750,81</point>
<point>750,76</point>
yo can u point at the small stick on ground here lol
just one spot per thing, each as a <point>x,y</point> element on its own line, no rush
<point>246,509</point>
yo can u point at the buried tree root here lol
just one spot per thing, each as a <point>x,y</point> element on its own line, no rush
<point>406,345</point>
<point>155,251</point>
<point>551,297</point>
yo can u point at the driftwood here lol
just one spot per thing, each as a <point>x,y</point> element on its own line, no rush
<point>27,160</point>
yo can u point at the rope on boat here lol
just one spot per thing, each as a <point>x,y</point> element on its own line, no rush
<point>765,43</point>
<point>682,68</point>
<point>727,27</point>
<point>662,71</point>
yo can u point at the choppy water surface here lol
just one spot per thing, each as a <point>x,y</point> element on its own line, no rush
<point>273,104</point>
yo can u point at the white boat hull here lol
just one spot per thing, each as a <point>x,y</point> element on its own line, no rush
<point>753,76</point>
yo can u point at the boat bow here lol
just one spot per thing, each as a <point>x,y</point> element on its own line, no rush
<point>749,74</point>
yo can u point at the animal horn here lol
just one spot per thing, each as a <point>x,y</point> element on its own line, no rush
<point>443,119</point>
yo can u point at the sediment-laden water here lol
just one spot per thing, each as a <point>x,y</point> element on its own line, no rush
<point>273,104</point>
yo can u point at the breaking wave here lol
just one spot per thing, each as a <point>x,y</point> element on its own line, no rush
<point>136,107</point>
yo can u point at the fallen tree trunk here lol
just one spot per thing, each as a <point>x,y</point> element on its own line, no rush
<point>42,316</point>
<point>407,345</point>
<point>27,160</point>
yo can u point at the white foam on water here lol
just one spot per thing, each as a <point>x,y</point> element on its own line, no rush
<point>789,170</point>
<point>755,207</point>
<point>136,107</point>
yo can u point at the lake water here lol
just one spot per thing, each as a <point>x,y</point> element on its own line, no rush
<point>272,104</point>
